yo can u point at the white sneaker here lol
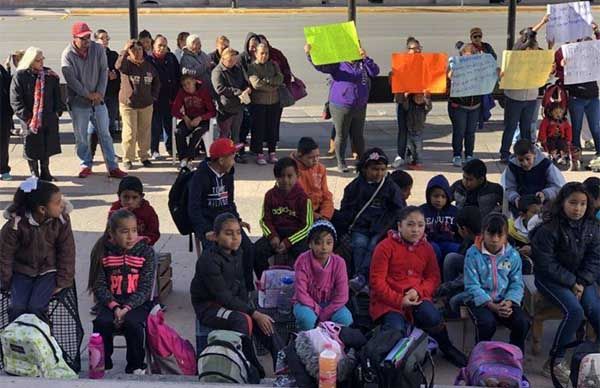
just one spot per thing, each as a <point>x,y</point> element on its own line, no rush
<point>155,156</point>
<point>398,162</point>
<point>183,163</point>
<point>139,372</point>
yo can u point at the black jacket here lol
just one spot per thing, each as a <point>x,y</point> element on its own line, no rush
<point>566,252</point>
<point>169,73</point>
<point>113,85</point>
<point>6,111</point>
<point>488,197</point>
<point>219,279</point>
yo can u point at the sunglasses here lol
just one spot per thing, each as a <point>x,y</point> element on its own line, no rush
<point>477,36</point>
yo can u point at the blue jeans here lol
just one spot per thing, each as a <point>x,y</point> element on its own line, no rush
<point>534,124</point>
<point>516,113</point>
<point>443,248</point>
<point>464,124</point>
<point>362,249</point>
<point>453,267</point>
<point>30,294</point>
<point>591,108</point>
<point>574,311</point>
<point>401,141</point>
<point>306,319</point>
<point>425,315</point>
<point>98,115</point>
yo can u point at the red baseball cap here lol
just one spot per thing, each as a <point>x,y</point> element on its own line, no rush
<point>223,147</point>
<point>80,29</point>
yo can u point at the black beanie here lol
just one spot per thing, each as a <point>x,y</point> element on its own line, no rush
<point>132,183</point>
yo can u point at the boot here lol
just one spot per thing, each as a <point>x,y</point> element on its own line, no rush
<point>575,160</point>
<point>34,168</point>
<point>331,147</point>
<point>45,171</point>
<point>450,352</point>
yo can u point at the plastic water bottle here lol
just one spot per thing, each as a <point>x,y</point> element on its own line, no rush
<point>96,356</point>
<point>286,292</point>
<point>327,367</point>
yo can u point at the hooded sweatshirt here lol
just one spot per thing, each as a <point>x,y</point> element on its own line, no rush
<point>440,224</point>
<point>493,278</point>
<point>324,289</point>
<point>543,176</point>
<point>147,220</point>
<point>198,104</point>
<point>314,182</point>
<point>140,83</point>
<point>289,214</point>
<point>84,75</point>
<point>197,65</point>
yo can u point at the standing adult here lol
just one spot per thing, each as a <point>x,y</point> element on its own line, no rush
<point>265,77</point>
<point>111,97</point>
<point>85,69</point>
<point>167,66</point>
<point>145,38</point>
<point>230,83</point>
<point>215,56</point>
<point>479,46</point>
<point>35,99</point>
<point>194,61</point>
<point>348,97</point>
<point>140,86</point>
<point>464,114</point>
<point>413,46</point>
<point>181,37</point>
<point>6,123</point>
<point>246,58</point>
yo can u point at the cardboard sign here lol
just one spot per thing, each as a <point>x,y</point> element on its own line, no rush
<point>582,62</point>
<point>568,22</point>
<point>527,69</point>
<point>333,43</point>
<point>417,73</point>
<point>473,75</point>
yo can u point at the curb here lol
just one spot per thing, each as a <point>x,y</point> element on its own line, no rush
<point>303,10</point>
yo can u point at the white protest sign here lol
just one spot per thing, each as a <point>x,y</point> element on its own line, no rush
<point>473,75</point>
<point>568,22</point>
<point>582,62</point>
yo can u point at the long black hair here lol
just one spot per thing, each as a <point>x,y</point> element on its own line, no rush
<point>28,202</point>
<point>556,212</point>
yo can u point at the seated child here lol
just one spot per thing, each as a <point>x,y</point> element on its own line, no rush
<point>494,283</point>
<point>218,289</point>
<point>131,197</point>
<point>530,208</point>
<point>592,185</point>
<point>123,289</point>
<point>440,218</point>
<point>286,218</point>
<point>556,134</point>
<point>37,248</point>
<point>416,106</point>
<point>369,206</point>
<point>321,281</point>
<point>404,276</point>
<point>475,190</point>
<point>566,253</point>
<point>312,177</point>
<point>211,190</point>
<point>529,172</point>
<point>194,106</point>
<point>404,182</point>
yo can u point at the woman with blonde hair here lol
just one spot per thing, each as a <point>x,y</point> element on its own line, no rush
<point>36,100</point>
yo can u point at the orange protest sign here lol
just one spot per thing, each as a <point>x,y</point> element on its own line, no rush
<point>415,73</point>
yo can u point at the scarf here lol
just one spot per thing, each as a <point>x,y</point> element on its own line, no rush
<point>38,102</point>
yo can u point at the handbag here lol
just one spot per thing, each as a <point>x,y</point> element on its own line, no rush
<point>297,88</point>
<point>285,97</point>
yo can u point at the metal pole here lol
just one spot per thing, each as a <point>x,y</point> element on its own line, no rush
<point>512,16</point>
<point>352,11</point>
<point>133,19</point>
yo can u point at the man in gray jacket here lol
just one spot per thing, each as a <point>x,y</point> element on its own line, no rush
<point>85,69</point>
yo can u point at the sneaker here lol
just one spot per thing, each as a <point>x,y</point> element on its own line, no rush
<point>457,161</point>
<point>139,372</point>
<point>595,164</point>
<point>354,156</point>
<point>117,173</point>
<point>561,372</point>
<point>398,162</point>
<point>239,158</point>
<point>6,177</point>
<point>85,172</point>
<point>156,156</point>
<point>589,145</point>
<point>469,158</point>
<point>357,283</point>
<point>147,163</point>
<point>183,163</point>
<point>575,165</point>
<point>273,158</point>
<point>415,166</point>
<point>128,166</point>
<point>342,168</point>
<point>94,310</point>
<point>331,150</point>
<point>260,160</point>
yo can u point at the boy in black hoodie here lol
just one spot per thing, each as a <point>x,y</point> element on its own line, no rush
<point>211,194</point>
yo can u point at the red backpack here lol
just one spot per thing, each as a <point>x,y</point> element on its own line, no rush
<point>554,94</point>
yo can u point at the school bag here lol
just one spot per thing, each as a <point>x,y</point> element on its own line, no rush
<point>29,350</point>
<point>178,204</point>
<point>269,285</point>
<point>585,365</point>
<point>494,364</point>
<point>554,93</point>
<point>223,360</point>
<point>170,354</point>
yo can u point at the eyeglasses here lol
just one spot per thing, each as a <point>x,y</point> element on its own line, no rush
<point>477,36</point>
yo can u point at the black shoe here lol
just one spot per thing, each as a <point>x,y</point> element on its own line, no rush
<point>147,163</point>
<point>108,364</point>
<point>127,166</point>
<point>48,178</point>
<point>240,159</point>
<point>454,356</point>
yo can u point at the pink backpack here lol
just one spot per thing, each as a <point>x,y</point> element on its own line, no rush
<point>169,353</point>
<point>494,364</point>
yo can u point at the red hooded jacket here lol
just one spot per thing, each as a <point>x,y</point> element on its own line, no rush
<point>398,266</point>
<point>147,220</point>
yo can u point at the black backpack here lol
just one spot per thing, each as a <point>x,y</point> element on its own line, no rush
<point>178,202</point>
